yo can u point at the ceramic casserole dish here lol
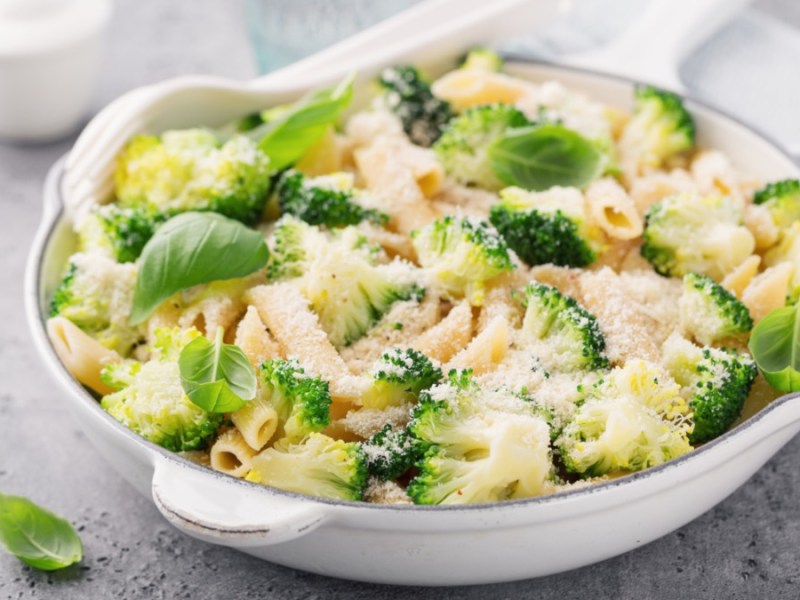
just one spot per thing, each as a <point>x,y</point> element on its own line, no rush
<point>431,545</point>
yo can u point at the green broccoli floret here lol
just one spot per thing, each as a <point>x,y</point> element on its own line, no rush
<point>398,377</point>
<point>409,96</point>
<point>709,312</point>
<point>337,275</point>
<point>479,445</point>
<point>661,127</point>
<point>390,453</point>
<point>546,227</point>
<point>463,149</point>
<point>320,466</point>
<point>116,231</point>
<point>782,199</point>
<point>463,254</point>
<point>560,332</point>
<point>193,169</point>
<point>328,200</point>
<point>714,381</point>
<point>96,294</point>
<point>301,401</point>
<point>687,233</point>
<point>482,59</point>
<point>150,399</point>
<point>633,419</point>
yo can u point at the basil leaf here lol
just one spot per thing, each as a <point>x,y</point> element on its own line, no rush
<point>191,249</point>
<point>216,376</point>
<point>540,157</point>
<point>775,346</point>
<point>292,132</point>
<point>36,536</point>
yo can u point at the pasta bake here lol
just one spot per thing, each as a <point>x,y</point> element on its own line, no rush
<point>475,289</point>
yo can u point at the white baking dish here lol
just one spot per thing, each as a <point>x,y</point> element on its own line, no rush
<point>432,545</point>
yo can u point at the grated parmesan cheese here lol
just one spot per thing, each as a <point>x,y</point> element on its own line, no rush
<point>385,492</point>
<point>366,422</point>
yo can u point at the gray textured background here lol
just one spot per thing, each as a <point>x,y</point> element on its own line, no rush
<point>747,547</point>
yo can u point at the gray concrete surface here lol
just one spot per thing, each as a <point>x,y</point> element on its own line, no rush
<point>747,547</point>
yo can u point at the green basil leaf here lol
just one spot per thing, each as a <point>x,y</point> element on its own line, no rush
<point>288,136</point>
<point>36,536</point>
<point>216,376</point>
<point>190,249</point>
<point>775,346</point>
<point>540,157</point>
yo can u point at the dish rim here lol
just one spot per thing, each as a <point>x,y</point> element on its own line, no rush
<point>37,319</point>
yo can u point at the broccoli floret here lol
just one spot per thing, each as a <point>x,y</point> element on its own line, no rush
<point>564,335</point>
<point>463,149</point>
<point>328,201</point>
<point>96,294</point>
<point>409,96</point>
<point>390,453</point>
<point>546,227</point>
<point>463,254</point>
<point>633,419</point>
<point>687,233</point>
<point>482,59</point>
<point>194,170</point>
<point>398,377</point>
<point>479,445</point>
<point>661,127</point>
<point>320,466</point>
<point>150,399</point>
<point>301,401</point>
<point>337,276</point>
<point>709,312</point>
<point>116,231</point>
<point>715,382</point>
<point>782,199</point>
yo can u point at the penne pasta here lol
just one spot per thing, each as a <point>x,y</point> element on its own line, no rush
<point>714,173</point>
<point>759,221</point>
<point>767,291</point>
<point>394,184</point>
<point>486,350</point>
<point>464,88</point>
<point>230,454</point>
<point>326,156</point>
<point>298,333</point>
<point>650,189</point>
<point>257,421</point>
<point>254,339</point>
<point>737,280</point>
<point>613,210</point>
<point>424,167</point>
<point>451,335</point>
<point>82,355</point>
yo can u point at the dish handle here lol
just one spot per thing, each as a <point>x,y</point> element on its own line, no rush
<point>218,509</point>
<point>653,48</point>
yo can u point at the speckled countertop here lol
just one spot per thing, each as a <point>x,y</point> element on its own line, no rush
<point>747,547</point>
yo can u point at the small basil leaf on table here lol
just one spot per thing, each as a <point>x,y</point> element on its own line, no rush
<point>190,249</point>
<point>216,376</point>
<point>775,346</point>
<point>540,157</point>
<point>286,138</point>
<point>36,536</point>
